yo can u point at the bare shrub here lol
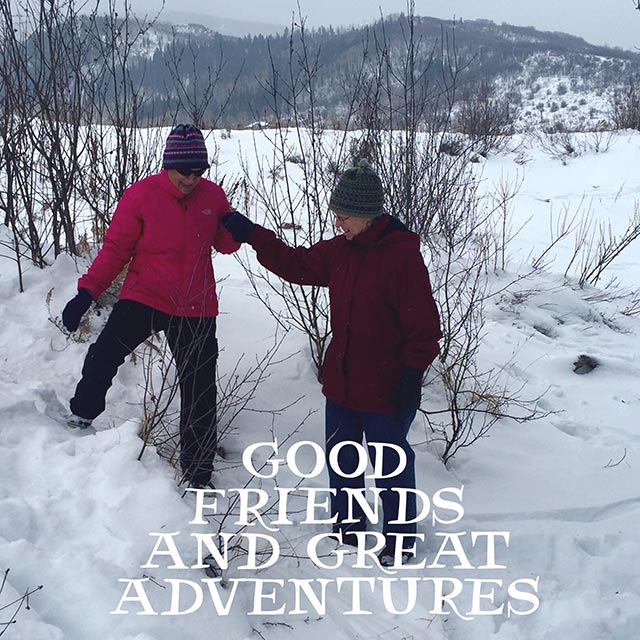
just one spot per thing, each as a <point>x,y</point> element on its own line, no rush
<point>487,118</point>
<point>475,401</point>
<point>595,246</point>
<point>559,143</point>
<point>624,105</point>
<point>234,389</point>
<point>121,143</point>
<point>600,137</point>
<point>633,307</point>
<point>49,53</point>
<point>406,110</point>
<point>197,84</point>
<point>290,188</point>
<point>501,200</point>
<point>561,227</point>
<point>71,129</point>
<point>600,247</point>
<point>228,547</point>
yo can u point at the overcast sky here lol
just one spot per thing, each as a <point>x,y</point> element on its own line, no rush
<point>612,22</point>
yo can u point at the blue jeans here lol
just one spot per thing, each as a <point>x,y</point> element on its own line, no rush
<point>348,424</point>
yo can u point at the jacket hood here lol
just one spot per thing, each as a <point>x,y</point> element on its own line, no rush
<point>386,230</point>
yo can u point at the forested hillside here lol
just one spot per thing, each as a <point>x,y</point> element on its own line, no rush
<point>518,59</point>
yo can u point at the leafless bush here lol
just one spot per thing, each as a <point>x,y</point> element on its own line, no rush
<point>290,188</point>
<point>600,138</point>
<point>560,228</point>
<point>19,190</point>
<point>234,389</point>
<point>64,79</point>
<point>226,526</point>
<point>406,111</point>
<point>196,95</point>
<point>484,116</point>
<point>475,401</point>
<point>48,52</point>
<point>601,247</point>
<point>624,105</point>
<point>633,308</point>
<point>469,399</point>
<point>121,144</point>
<point>501,200</point>
<point>562,143</point>
<point>595,246</point>
<point>559,143</point>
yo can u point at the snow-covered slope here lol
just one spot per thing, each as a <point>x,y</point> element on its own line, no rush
<point>92,524</point>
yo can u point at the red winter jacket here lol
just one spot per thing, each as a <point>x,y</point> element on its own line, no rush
<point>383,316</point>
<point>166,237</point>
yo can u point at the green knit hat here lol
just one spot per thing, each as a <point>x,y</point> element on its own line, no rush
<point>358,193</point>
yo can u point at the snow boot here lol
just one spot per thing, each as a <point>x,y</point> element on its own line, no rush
<point>387,557</point>
<point>76,422</point>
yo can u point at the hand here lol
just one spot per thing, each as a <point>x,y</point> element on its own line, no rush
<point>239,226</point>
<point>406,395</point>
<point>75,309</point>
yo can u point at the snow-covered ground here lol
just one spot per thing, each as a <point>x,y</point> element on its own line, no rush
<point>104,532</point>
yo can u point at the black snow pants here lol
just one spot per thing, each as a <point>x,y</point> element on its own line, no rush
<point>194,347</point>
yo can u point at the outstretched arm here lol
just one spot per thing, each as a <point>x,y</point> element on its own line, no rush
<point>299,265</point>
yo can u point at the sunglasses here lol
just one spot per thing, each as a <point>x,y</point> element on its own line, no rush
<point>191,172</point>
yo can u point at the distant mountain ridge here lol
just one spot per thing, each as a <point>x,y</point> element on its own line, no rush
<point>519,58</point>
<point>221,24</point>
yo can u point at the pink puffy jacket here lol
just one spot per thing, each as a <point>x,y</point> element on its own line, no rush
<point>166,237</point>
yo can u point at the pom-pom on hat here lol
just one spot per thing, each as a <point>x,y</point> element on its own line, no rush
<point>358,193</point>
<point>185,149</point>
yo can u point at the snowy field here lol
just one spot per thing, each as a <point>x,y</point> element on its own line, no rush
<point>109,537</point>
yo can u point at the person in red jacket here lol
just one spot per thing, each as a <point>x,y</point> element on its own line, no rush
<point>163,229</point>
<point>385,331</point>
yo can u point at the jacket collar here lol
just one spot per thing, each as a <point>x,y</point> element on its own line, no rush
<point>171,189</point>
<point>381,226</point>
<point>372,234</point>
<point>385,230</point>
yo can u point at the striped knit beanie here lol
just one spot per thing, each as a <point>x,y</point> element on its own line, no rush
<point>185,149</point>
<point>358,193</point>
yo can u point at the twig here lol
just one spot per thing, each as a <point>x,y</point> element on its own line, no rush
<point>612,464</point>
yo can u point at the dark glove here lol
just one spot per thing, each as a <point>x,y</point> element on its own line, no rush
<point>406,395</point>
<point>75,309</point>
<point>239,226</point>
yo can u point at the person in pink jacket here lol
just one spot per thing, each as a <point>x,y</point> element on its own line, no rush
<point>163,229</point>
